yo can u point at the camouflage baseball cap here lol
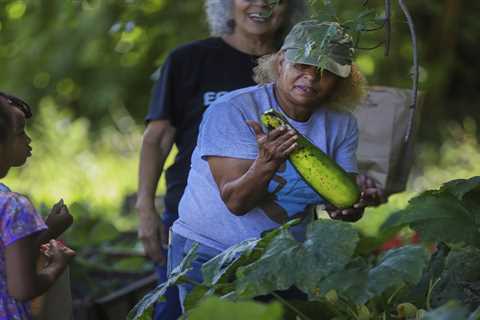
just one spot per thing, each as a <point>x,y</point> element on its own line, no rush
<point>321,44</point>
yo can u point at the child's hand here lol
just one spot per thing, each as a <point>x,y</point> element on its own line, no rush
<point>59,219</point>
<point>57,253</point>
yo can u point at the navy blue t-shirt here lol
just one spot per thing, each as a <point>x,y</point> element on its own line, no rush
<point>192,77</point>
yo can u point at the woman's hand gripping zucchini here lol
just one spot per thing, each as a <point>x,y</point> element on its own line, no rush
<point>322,173</point>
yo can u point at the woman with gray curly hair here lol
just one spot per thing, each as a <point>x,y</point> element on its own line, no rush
<point>191,78</point>
<point>221,18</point>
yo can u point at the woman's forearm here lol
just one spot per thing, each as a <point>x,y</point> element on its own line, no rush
<point>248,191</point>
<point>157,143</point>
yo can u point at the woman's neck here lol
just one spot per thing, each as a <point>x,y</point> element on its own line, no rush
<point>251,44</point>
<point>292,110</point>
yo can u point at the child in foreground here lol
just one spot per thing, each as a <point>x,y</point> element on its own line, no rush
<point>24,236</point>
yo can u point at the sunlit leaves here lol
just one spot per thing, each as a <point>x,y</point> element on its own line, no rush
<point>41,80</point>
<point>107,48</point>
<point>16,9</point>
<point>67,164</point>
<point>216,309</point>
<point>366,64</point>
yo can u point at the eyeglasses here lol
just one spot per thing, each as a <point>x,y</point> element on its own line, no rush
<point>18,103</point>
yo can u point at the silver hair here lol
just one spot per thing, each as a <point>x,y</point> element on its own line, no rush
<point>220,15</point>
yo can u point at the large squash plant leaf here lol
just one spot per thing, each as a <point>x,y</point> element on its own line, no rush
<point>216,269</point>
<point>328,247</point>
<point>461,187</point>
<point>143,309</point>
<point>219,272</point>
<point>450,214</point>
<point>396,268</point>
<point>460,278</point>
<point>275,270</point>
<point>350,283</point>
<point>433,271</point>
<point>222,268</point>
<point>450,311</point>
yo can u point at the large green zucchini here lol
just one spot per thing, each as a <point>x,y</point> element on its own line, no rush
<point>323,174</point>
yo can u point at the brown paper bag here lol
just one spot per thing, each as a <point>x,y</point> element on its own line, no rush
<point>383,153</point>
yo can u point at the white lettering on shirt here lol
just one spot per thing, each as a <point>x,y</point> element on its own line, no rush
<point>210,96</point>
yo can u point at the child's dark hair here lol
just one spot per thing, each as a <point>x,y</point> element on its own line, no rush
<point>18,103</point>
<point>5,123</point>
<point>6,117</point>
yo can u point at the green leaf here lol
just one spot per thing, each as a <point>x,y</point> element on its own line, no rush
<point>461,187</point>
<point>435,204</point>
<point>218,267</point>
<point>217,309</point>
<point>450,231</point>
<point>396,268</point>
<point>460,278</point>
<point>103,231</point>
<point>475,315</point>
<point>350,283</point>
<point>430,205</point>
<point>436,266</point>
<point>450,311</point>
<point>144,307</point>
<point>131,264</point>
<point>449,214</point>
<point>222,268</point>
<point>330,9</point>
<point>328,247</point>
<point>275,270</point>
<point>195,296</point>
<point>365,20</point>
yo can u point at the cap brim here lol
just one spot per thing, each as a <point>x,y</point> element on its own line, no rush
<point>296,56</point>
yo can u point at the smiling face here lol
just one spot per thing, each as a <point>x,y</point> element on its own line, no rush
<point>259,17</point>
<point>303,86</point>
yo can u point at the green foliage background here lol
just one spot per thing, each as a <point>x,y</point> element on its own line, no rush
<point>86,67</point>
<point>95,56</point>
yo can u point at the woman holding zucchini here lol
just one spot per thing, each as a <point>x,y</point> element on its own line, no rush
<point>240,183</point>
<point>191,78</point>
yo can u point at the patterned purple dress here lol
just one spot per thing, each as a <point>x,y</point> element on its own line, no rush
<point>18,219</point>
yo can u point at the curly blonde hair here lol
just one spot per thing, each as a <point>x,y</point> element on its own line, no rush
<point>348,94</point>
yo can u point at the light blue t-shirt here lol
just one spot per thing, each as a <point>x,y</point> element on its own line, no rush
<point>204,217</point>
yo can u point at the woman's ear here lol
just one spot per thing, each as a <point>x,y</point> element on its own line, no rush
<point>279,61</point>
